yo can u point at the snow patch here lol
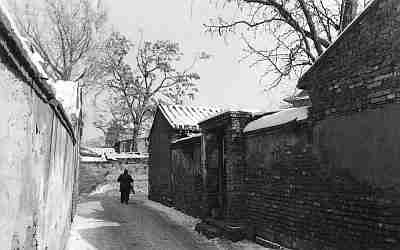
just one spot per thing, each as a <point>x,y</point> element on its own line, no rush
<point>176,216</point>
<point>190,222</point>
<point>67,94</point>
<point>185,116</point>
<point>279,118</point>
<point>186,138</point>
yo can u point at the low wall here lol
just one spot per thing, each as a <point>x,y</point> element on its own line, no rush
<point>187,177</point>
<point>96,174</point>
<point>269,201</point>
<point>337,193</point>
<point>38,162</point>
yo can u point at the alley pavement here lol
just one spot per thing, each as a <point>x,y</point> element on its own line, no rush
<point>103,223</point>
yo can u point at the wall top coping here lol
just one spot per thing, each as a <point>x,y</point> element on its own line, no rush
<point>188,139</point>
<point>277,119</point>
<point>27,62</point>
<point>225,116</point>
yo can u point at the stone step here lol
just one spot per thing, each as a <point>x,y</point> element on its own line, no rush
<point>208,230</point>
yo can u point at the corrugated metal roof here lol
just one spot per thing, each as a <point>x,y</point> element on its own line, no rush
<point>186,117</point>
<point>279,118</point>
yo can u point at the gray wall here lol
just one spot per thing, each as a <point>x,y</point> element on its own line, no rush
<point>38,164</point>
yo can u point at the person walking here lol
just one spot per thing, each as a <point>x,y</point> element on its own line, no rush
<point>125,186</point>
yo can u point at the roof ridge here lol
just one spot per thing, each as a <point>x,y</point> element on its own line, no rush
<point>186,116</point>
<point>192,106</point>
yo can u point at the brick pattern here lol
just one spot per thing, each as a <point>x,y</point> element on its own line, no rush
<point>300,205</point>
<point>361,70</point>
<point>159,161</point>
<point>211,184</point>
<point>235,169</point>
<point>225,133</point>
<point>188,182</point>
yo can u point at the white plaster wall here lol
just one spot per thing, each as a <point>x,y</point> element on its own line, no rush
<point>37,161</point>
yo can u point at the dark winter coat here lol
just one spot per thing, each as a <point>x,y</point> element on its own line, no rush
<point>125,181</point>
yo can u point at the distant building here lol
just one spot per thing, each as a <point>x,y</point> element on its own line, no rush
<point>127,145</point>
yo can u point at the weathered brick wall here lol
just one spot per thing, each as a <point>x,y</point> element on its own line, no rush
<point>362,69</point>
<point>188,182</point>
<point>355,94</point>
<point>160,161</point>
<point>212,155</point>
<point>297,201</point>
<point>266,201</point>
<point>235,167</point>
<point>224,165</point>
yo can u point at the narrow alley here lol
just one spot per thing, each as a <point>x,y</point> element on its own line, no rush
<point>102,222</point>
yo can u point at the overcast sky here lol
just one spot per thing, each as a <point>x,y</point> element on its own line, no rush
<point>224,81</point>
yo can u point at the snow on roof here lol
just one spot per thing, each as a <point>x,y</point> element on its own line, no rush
<point>29,58</point>
<point>84,151</point>
<point>102,151</point>
<point>93,159</point>
<point>279,118</point>
<point>233,109</point>
<point>67,93</point>
<point>186,117</point>
<point>187,138</point>
<point>128,155</point>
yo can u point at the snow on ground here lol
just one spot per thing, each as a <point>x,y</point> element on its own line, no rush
<point>140,187</point>
<point>179,218</point>
<point>190,222</point>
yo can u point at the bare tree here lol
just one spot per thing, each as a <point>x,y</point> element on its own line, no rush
<point>110,113</point>
<point>297,31</point>
<point>152,80</point>
<point>65,32</point>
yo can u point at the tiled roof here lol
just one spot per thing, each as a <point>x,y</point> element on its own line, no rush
<point>186,117</point>
<point>279,118</point>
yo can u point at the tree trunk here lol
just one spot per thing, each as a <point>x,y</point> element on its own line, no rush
<point>135,136</point>
<point>348,13</point>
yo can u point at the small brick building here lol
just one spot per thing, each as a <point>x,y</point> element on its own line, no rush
<point>171,122</point>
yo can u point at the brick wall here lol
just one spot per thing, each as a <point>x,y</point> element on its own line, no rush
<point>296,200</point>
<point>225,165</point>
<point>235,167</point>
<point>160,161</point>
<point>355,94</point>
<point>361,70</point>
<point>269,203</point>
<point>188,182</point>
